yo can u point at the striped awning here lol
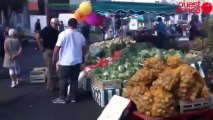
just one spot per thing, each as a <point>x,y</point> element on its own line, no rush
<point>130,7</point>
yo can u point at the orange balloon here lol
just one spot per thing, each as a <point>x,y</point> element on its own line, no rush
<point>79,16</point>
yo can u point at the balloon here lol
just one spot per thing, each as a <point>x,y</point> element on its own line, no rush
<point>91,19</point>
<point>94,19</point>
<point>99,20</point>
<point>85,8</point>
<point>79,16</point>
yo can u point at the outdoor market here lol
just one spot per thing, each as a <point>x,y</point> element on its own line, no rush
<point>166,81</point>
<point>145,62</point>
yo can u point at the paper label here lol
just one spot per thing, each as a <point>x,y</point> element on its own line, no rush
<point>114,109</point>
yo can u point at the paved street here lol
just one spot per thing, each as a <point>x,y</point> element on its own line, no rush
<point>33,102</point>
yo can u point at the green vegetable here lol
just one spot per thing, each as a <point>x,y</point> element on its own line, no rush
<point>121,68</point>
<point>127,65</point>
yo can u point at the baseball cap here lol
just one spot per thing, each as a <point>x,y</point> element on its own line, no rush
<point>72,22</point>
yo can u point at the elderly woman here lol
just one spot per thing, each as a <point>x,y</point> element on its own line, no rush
<point>13,50</point>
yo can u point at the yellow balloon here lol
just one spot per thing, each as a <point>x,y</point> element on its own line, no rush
<point>85,8</point>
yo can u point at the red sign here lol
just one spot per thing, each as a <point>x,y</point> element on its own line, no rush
<point>194,7</point>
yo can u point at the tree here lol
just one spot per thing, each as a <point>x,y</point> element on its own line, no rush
<point>10,6</point>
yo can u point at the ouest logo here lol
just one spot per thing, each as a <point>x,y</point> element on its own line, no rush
<point>194,7</point>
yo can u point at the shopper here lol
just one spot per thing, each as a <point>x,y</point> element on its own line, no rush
<point>37,26</point>
<point>195,28</point>
<point>13,50</point>
<point>70,49</point>
<point>2,38</point>
<point>161,31</point>
<point>61,26</point>
<point>85,30</point>
<point>49,36</point>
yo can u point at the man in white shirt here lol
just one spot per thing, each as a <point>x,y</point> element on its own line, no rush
<point>70,51</point>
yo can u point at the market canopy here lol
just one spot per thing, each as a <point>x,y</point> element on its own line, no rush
<point>128,7</point>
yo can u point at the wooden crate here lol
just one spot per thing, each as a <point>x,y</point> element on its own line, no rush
<point>108,84</point>
<point>37,76</point>
<point>40,69</point>
<point>206,114</point>
<point>103,96</point>
<point>198,53</point>
<point>188,106</point>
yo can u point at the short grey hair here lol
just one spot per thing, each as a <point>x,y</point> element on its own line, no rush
<point>12,32</point>
<point>54,20</point>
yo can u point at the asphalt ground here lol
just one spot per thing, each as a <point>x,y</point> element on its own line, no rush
<point>33,102</point>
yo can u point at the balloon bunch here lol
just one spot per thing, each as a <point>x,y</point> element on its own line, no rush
<point>84,14</point>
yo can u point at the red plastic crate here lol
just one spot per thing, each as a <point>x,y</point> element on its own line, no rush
<point>207,114</point>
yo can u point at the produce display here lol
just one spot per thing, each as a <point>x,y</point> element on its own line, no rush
<point>160,84</point>
<point>120,70</point>
<point>109,47</point>
<point>198,44</point>
<point>132,59</point>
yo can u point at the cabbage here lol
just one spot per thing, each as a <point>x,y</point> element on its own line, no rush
<point>113,77</point>
<point>121,68</point>
<point>114,72</point>
<point>120,75</point>
<point>127,65</point>
<point>106,73</point>
<point>144,53</point>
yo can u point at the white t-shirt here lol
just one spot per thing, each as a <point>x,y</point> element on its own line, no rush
<point>71,43</point>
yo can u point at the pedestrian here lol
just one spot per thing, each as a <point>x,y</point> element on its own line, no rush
<point>49,36</point>
<point>161,32</point>
<point>195,29</point>
<point>2,38</point>
<point>85,30</point>
<point>37,26</point>
<point>61,26</point>
<point>13,50</point>
<point>103,32</point>
<point>70,48</point>
<point>109,35</point>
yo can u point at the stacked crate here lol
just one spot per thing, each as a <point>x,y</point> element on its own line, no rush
<point>38,75</point>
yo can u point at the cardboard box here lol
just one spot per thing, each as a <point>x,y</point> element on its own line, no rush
<point>102,97</point>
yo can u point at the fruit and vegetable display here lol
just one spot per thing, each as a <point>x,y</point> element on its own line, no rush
<point>109,47</point>
<point>198,44</point>
<point>132,59</point>
<point>161,84</point>
<point>122,69</point>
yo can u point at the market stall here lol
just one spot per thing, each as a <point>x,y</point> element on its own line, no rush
<point>161,83</point>
<point>114,78</point>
